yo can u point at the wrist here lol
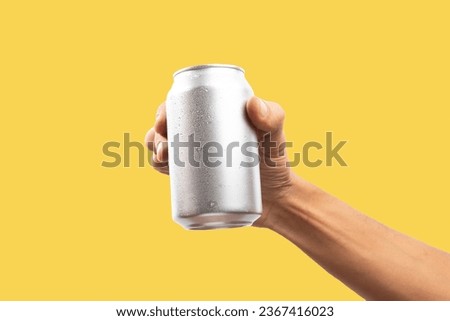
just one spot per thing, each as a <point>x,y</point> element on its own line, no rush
<point>291,204</point>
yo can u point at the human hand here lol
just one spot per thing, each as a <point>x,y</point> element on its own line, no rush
<point>267,118</point>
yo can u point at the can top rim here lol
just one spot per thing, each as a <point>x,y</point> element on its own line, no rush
<point>205,66</point>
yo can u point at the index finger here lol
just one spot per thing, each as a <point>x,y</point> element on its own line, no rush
<point>161,123</point>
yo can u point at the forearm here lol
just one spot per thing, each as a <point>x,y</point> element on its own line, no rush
<point>375,261</point>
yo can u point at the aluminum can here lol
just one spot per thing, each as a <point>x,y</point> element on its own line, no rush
<point>214,176</point>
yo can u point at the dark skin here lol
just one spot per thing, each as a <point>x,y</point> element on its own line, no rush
<point>375,261</point>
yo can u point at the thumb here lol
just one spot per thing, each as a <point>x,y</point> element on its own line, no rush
<point>267,117</point>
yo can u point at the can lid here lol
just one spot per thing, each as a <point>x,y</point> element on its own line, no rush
<point>197,67</point>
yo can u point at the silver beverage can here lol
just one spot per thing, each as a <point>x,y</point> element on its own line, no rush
<point>213,149</point>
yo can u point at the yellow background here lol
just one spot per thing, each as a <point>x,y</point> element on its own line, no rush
<point>76,74</point>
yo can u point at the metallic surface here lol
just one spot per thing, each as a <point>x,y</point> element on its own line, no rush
<point>209,102</point>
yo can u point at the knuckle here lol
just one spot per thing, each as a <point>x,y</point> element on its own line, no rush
<point>281,115</point>
<point>159,110</point>
<point>280,111</point>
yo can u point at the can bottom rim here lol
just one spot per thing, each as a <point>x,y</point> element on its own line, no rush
<point>210,221</point>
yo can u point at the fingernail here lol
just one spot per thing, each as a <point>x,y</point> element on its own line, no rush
<point>263,109</point>
<point>159,151</point>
